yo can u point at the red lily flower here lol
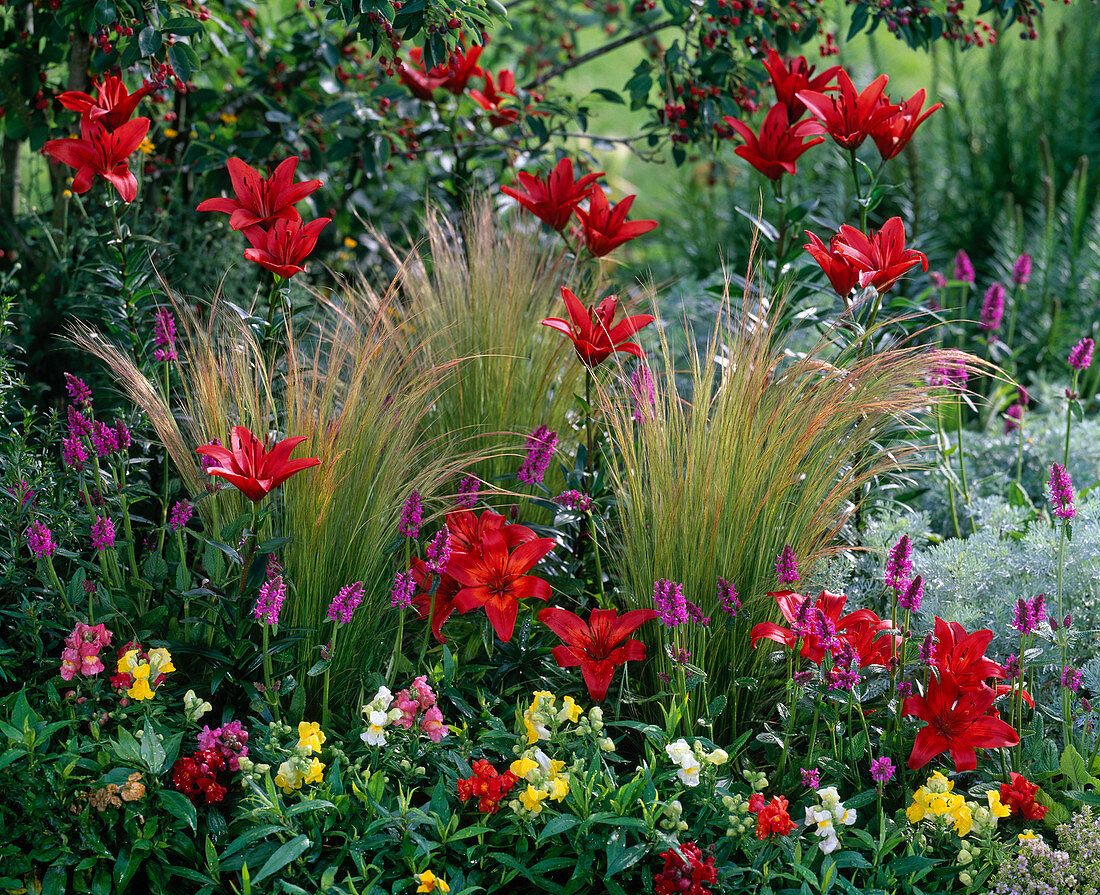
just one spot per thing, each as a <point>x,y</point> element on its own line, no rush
<point>496,94</point>
<point>597,646</point>
<point>779,145</point>
<point>461,66</point>
<point>882,258</point>
<point>594,338</point>
<point>284,247</point>
<point>849,117</point>
<point>444,596</point>
<point>249,465</point>
<point>261,200</point>
<point>861,629</point>
<point>842,275</point>
<point>789,77</point>
<point>453,76</point>
<point>1019,797</point>
<point>891,135</point>
<point>497,579</point>
<point>468,531</point>
<point>606,227</point>
<point>112,105</point>
<point>552,200</point>
<point>957,723</point>
<point>961,656</point>
<point>103,152</point>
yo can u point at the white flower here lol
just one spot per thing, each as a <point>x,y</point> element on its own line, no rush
<point>718,757</point>
<point>194,707</point>
<point>680,752</point>
<point>689,776</point>
<point>826,817</point>
<point>375,734</point>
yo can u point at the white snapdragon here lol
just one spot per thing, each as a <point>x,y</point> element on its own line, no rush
<point>684,755</point>
<point>379,717</point>
<point>827,816</point>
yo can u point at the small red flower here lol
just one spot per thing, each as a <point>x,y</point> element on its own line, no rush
<point>957,722</point>
<point>486,785</point>
<point>849,116</point>
<point>892,135</point>
<point>597,646</point>
<point>495,99</point>
<point>594,338</point>
<point>112,105</point>
<point>99,151</point>
<point>780,143</point>
<point>841,273</point>
<point>249,465</point>
<point>552,200</point>
<point>260,201</point>
<point>496,579</point>
<point>685,872</point>
<point>606,227</point>
<point>773,819</point>
<point>284,247</point>
<point>1019,797</point>
<point>789,77</point>
<point>882,258</point>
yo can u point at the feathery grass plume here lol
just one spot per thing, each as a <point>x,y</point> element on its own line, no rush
<point>355,385</point>
<point>483,289</point>
<point>768,449</point>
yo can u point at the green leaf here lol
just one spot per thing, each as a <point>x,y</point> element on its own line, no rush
<point>1074,769</point>
<point>285,854</point>
<point>624,858</point>
<point>149,41</point>
<point>183,60</point>
<point>155,569</point>
<point>183,25</point>
<point>105,12</point>
<point>180,807</point>
<point>610,95</point>
<point>152,751</point>
<point>557,825</point>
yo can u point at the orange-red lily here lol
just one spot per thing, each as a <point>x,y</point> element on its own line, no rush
<point>260,201</point>
<point>594,338</point>
<point>249,465</point>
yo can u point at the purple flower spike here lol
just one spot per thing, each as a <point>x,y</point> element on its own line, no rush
<point>964,270</point>
<point>466,498</point>
<point>78,390</point>
<point>786,565</point>
<point>181,514</point>
<point>1021,270</point>
<point>164,335</point>
<point>912,595</point>
<point>993,308</point>
<point>811,778</point>
<point>1013,417</point>
<point>402,591</point>
<point>344,604</point>
<point>729,598</point>
<point>270,601</point>
<point>899,564</point>
<point>1080,358</point>
<point>668,596</point>
<point>882,770</point>
<point>40,541</point>
<point>103,533</point>
<point>411,516</point>
<point>1061,492</point>
<point>645,398</point>
<point>540,449</point>
<point>438,553</point>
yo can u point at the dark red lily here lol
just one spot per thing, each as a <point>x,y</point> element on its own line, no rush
<point>260,201</point>
<point>444,596</point>
<point>605,226</point>
<point>779,145</point>
<point>849,116</point>
<point>597,646</point>
<point>282,248</point>
<point>552,200</point>
<point>788,77</point>
<point>841,273</point>
<point>594,338</point>
<point>863,630</point>
<point>103,152</point>
<point>892,135</point>
<point>453,76</point>
<point>112,105</point>
<point>495,98</point>
<point>497,579</point>
<point>248,464</point>
<point>468,530</point>
<point>882,258</point>
<point>961,656</point>
<point>957,722</point>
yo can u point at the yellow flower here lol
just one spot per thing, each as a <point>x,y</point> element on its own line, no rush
<point>289,778</point>
<point>140,690</point>
<point>996,807</point>
<point>315,772</point>
<point>146,146</point>
<point>429,882</point>
<point>521,767</point>
<point>170,133</point>
<point>915,812</point>
<point>939,783</point>
<point>559,787</point>
<point>68,194</point>
<point>311,735</point>
<point>964,820</point>
<point>1027,835</point>
<point>532,799</point>
<point>127,662</point>
<point>160,660</point>
<point>228,119</point>
<point>349,242</point>
<point>570,710</point>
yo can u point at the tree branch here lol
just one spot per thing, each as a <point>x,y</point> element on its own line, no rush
<point>563,67</point>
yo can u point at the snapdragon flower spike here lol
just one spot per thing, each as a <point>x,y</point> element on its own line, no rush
<point>102,153</point>
<point>780,143</point>
<point>591,330</point>
<point>552,200</point>
<point>261,201</point>
<point>850,116</point>
<point>1061,493</point>
<point>1080,358</point>
<point>605,226</point>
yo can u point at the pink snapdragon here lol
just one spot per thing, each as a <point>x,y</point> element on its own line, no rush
<point>81,653</point>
